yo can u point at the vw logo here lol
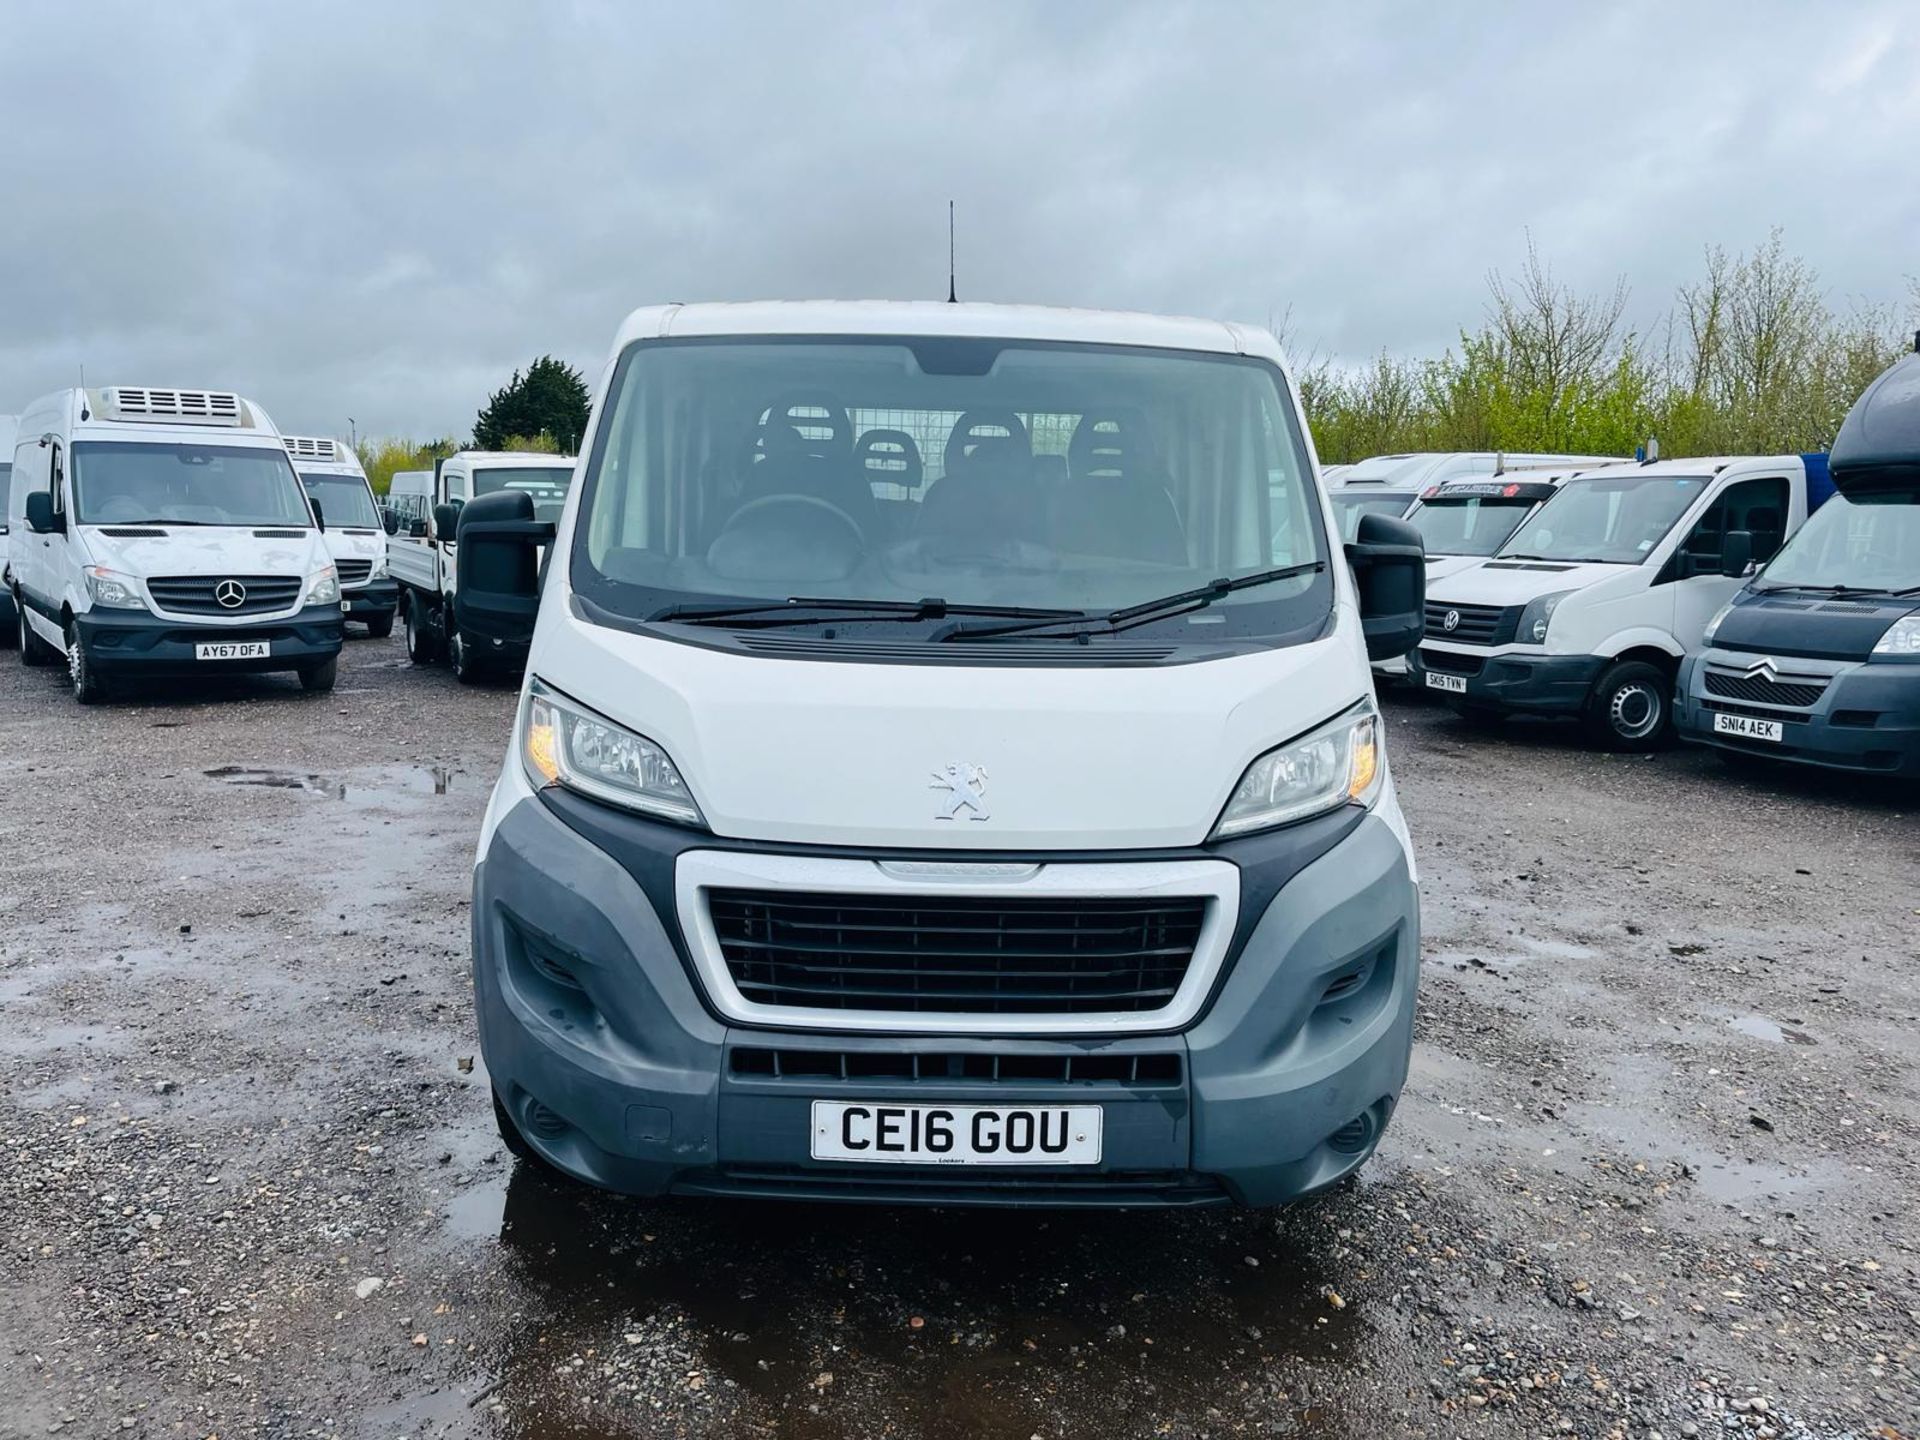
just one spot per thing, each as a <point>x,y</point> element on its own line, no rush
<point>1450,621</point>
<point>231,594</point>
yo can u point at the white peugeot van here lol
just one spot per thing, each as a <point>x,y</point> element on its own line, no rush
<point>947,771</point>
<point>1588,608</point>
<point>163,532</point>
<point>337,486</point>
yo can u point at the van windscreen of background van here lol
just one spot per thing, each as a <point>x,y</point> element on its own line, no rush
<point>546,484</point>
<point>1606,522</point>
<point>1069,477</point>
<point>1349,507</point>
<point>1469,524</point>
<point>135,483</point>
<point>345,501</point>
<point>1867,542</point>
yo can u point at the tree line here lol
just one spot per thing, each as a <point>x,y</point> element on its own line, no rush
<point>543,411</point>
<point>1751,359</point>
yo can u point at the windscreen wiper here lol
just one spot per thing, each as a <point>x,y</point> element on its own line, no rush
<point>810,610</point>
<point>1125,618</point>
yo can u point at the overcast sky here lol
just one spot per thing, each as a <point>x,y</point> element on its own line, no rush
<point>380,211</point>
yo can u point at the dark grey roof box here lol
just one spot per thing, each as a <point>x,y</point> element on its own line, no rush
<point>1878,446</point>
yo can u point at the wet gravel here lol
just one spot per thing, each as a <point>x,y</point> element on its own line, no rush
<point>1654,1172</point>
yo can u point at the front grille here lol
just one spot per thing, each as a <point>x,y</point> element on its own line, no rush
<point>353,572</point>
<point>960,1185</point>
<point>1758,690</point>
<point>194,594</point>
<point>957,1067</point>
<point>1476,625</point>
<point>972,955</point>
<point>1449,663</point>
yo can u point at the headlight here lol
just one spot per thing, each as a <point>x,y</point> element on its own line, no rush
<point>1336,764</point>
<point>1713,625</point>
<point>113,590</point>
<point>323,587</point>
<point>567,744</point>
<point>1902,638</point>
<point>1537,618</point>
<point>379,571</point>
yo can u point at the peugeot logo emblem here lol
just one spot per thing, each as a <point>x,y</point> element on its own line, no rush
<point>966,787</point>
<point>231,594</point>
<point>1450,621</point>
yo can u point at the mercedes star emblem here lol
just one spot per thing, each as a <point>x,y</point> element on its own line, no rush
<point>231,594</point>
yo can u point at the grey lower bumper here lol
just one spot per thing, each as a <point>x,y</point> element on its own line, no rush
<point>1527,684</point>
<point>1866,716</point>
<point>600,1044</point>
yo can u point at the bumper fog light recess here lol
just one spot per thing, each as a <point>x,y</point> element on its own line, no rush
<point>1354,1136</point>
<point>545,1123</point>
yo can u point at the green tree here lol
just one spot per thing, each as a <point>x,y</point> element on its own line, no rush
<point>550,399</point>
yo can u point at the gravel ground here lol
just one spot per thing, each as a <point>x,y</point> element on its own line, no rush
<point>1654,1172</point>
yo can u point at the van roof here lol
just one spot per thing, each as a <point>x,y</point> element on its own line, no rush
<point>124,411</point>
<point>484,458</point>
<point>926,317</point>
<point>320,452</point>
<point>1689,465</point>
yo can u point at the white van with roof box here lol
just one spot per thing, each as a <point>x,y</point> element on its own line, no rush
<point>947,771</point>
<point>337,486</point>
<point>424,559</point>
<point>1588,608</point>
<point>163,532</point>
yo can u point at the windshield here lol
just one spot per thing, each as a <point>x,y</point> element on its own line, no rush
<point>345,501</point>
<point>1348,508</point>
<point>1614,521</point>
<point>132,483</point>
<point>983,472</point>
<point>547,484</point>
<point>1470,524</point>
<point>1869,542</point>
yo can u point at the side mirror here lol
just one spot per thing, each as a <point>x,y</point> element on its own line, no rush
<point>319,515</point>
<point>446,521</point>
<point>1736,553</point>
<point>1389,562</point>
<point>497,591</point>
<point>417,528</point>
<point>40,517</point>
<point>389,521</point>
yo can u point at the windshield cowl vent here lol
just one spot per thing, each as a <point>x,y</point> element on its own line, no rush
<point>133,404</point>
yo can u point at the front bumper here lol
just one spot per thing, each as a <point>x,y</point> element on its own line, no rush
<point>1529,684</point>
<point>602,1045</point>
<point>1866,717</point>
<point>376,597</point>
<point>138,642</point>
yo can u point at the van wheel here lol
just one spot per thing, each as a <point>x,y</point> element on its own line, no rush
<point>88,688</point>
<point>464,659</point>
<point>33,650</point>
<point>318,679</point>
<point>380,626</point>
<point>1631,708</point>
<point>422,648</point>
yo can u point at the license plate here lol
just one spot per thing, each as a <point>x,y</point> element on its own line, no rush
<point>1747,727</point>
<point>231,650</point>
<point>874,1133</point>
<point>1452,684</point>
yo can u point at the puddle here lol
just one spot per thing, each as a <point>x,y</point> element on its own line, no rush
<point>1010,1304</point>
<point>1759,1027</point>
<point>389,783</point>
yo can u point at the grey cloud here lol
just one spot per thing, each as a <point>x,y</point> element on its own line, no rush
<point>378,210</point>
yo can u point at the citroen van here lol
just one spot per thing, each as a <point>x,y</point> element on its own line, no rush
<point>163,532</point>
<point>337,486</point>
<point>1816,660</point>
<point>1589,607</point>
<point>947,771</point>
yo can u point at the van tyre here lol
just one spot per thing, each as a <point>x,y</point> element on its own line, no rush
<point>88,688</point>
<point>1631,708</point>
<point>422,640</point>
<point>464,659</point>
<point>33,650</point>
<point>318,679</point>
<point>380,626</point>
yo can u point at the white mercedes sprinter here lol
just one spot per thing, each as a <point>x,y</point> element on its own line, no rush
<point>163,532</point>
<point>948,772</point>
<point>1588,608</point>
<point>337,486</point>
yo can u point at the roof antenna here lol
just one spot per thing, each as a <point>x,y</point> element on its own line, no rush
<point>953,297</point>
